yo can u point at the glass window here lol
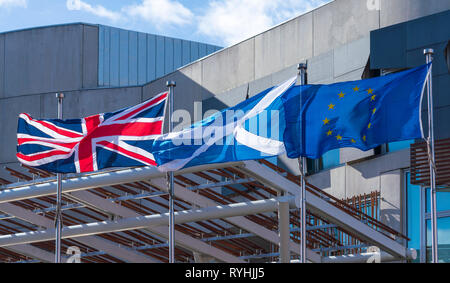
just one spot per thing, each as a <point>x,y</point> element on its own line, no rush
<point>443,227</point>
<point>396,146</point>
<point>442,201</point>
<point>413,215</point>
<point>330,159</point>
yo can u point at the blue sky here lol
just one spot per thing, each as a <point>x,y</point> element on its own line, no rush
<point>220,22</point>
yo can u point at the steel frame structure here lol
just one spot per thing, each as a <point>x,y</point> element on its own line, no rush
<point>118,204</point>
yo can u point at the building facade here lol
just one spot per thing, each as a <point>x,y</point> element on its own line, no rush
<point>344,40</point>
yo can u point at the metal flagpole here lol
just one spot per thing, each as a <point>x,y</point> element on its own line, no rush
<point>302,166</point>
<point>431,156</point>
<point>171,85</point>
<point>58,220</point>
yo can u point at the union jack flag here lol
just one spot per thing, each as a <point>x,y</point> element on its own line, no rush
<point>120,139</point>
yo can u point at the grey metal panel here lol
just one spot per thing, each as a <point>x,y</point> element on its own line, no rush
<point>42,60</point>
<point>160,56</point>
<point>186,58</point>
<point>151,57</point>
<point>194,51</point>
<point>168,51</point>
<point>441,89</point>
<point>342,21</point>
<point>431,29</point>
<point>351,56</point>
<point>133,58</point>
<point>202,50</point>
<point>320,68</point>
<point>106,55</point>
<point>142,58</point>
<point>2,66</point>
<point>416,58</point>
<point>123,57</point>
<point>114,58</point>
<point>441,125</point>
<point>10,108</point>
<point>177,53</point>
<point>101,56</point>
<point>229,68</point>
<point>90,56</point>
<point>392,55</point>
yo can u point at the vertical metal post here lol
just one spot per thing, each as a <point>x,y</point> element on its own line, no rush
<point>171,85</point>
<point>58,220</point>
<point>284,231</point>
<point>302,166</point>
<point>434,239</point>
<point>423,226</point>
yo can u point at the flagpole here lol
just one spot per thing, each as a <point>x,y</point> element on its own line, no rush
<point>171,85</point>
<point>58,220</point>
<point>434,238</point>
<point>302,166</point>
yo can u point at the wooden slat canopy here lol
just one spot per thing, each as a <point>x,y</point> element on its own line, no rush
<point>420,168</point>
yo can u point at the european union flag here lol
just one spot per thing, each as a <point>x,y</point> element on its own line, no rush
<point>362,114</point>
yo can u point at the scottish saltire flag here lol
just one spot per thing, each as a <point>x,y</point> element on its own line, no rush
<point>252,129</point>
<point>362,114</point>
<point>119,139</point>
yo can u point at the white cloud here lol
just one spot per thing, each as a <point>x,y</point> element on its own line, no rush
<point>10,3</point>
<point>78,5</point>
<point>161,12</point>
<point>234,20</point>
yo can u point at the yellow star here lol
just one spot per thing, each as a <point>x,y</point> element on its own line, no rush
<point>326,121</point>
<point>356,88</point>
<point>341,95</point>
<point>364,138</point>
<point>374,110</point>
<point>331,106</point>
<point>338,137</point>
<point>370,125</point>
<point>329,133</point>
<point>353,141</point>
<point>370,91</point>
<point>373,97</point>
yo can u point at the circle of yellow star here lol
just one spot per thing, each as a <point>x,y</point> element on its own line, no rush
<point>326,121</point>
<point>338,137</point>
<point>364,138</point>
<point>331,106</point>
<point>374,110</point>
<point>329,133</point>
<point>353,141</point>
<point>370,125</point>
<point>370,91</point>
<point>356,88</point>
<point>373,97</point>
<point>341,95</point>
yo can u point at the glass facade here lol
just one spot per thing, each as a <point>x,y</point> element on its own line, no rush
<point>128,58</point>
<point>414,220</point>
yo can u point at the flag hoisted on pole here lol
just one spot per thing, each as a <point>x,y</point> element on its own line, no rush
<point>303,168</point>
<point>171,85</point>
<point>431,158</point>
<point>58,215</point>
